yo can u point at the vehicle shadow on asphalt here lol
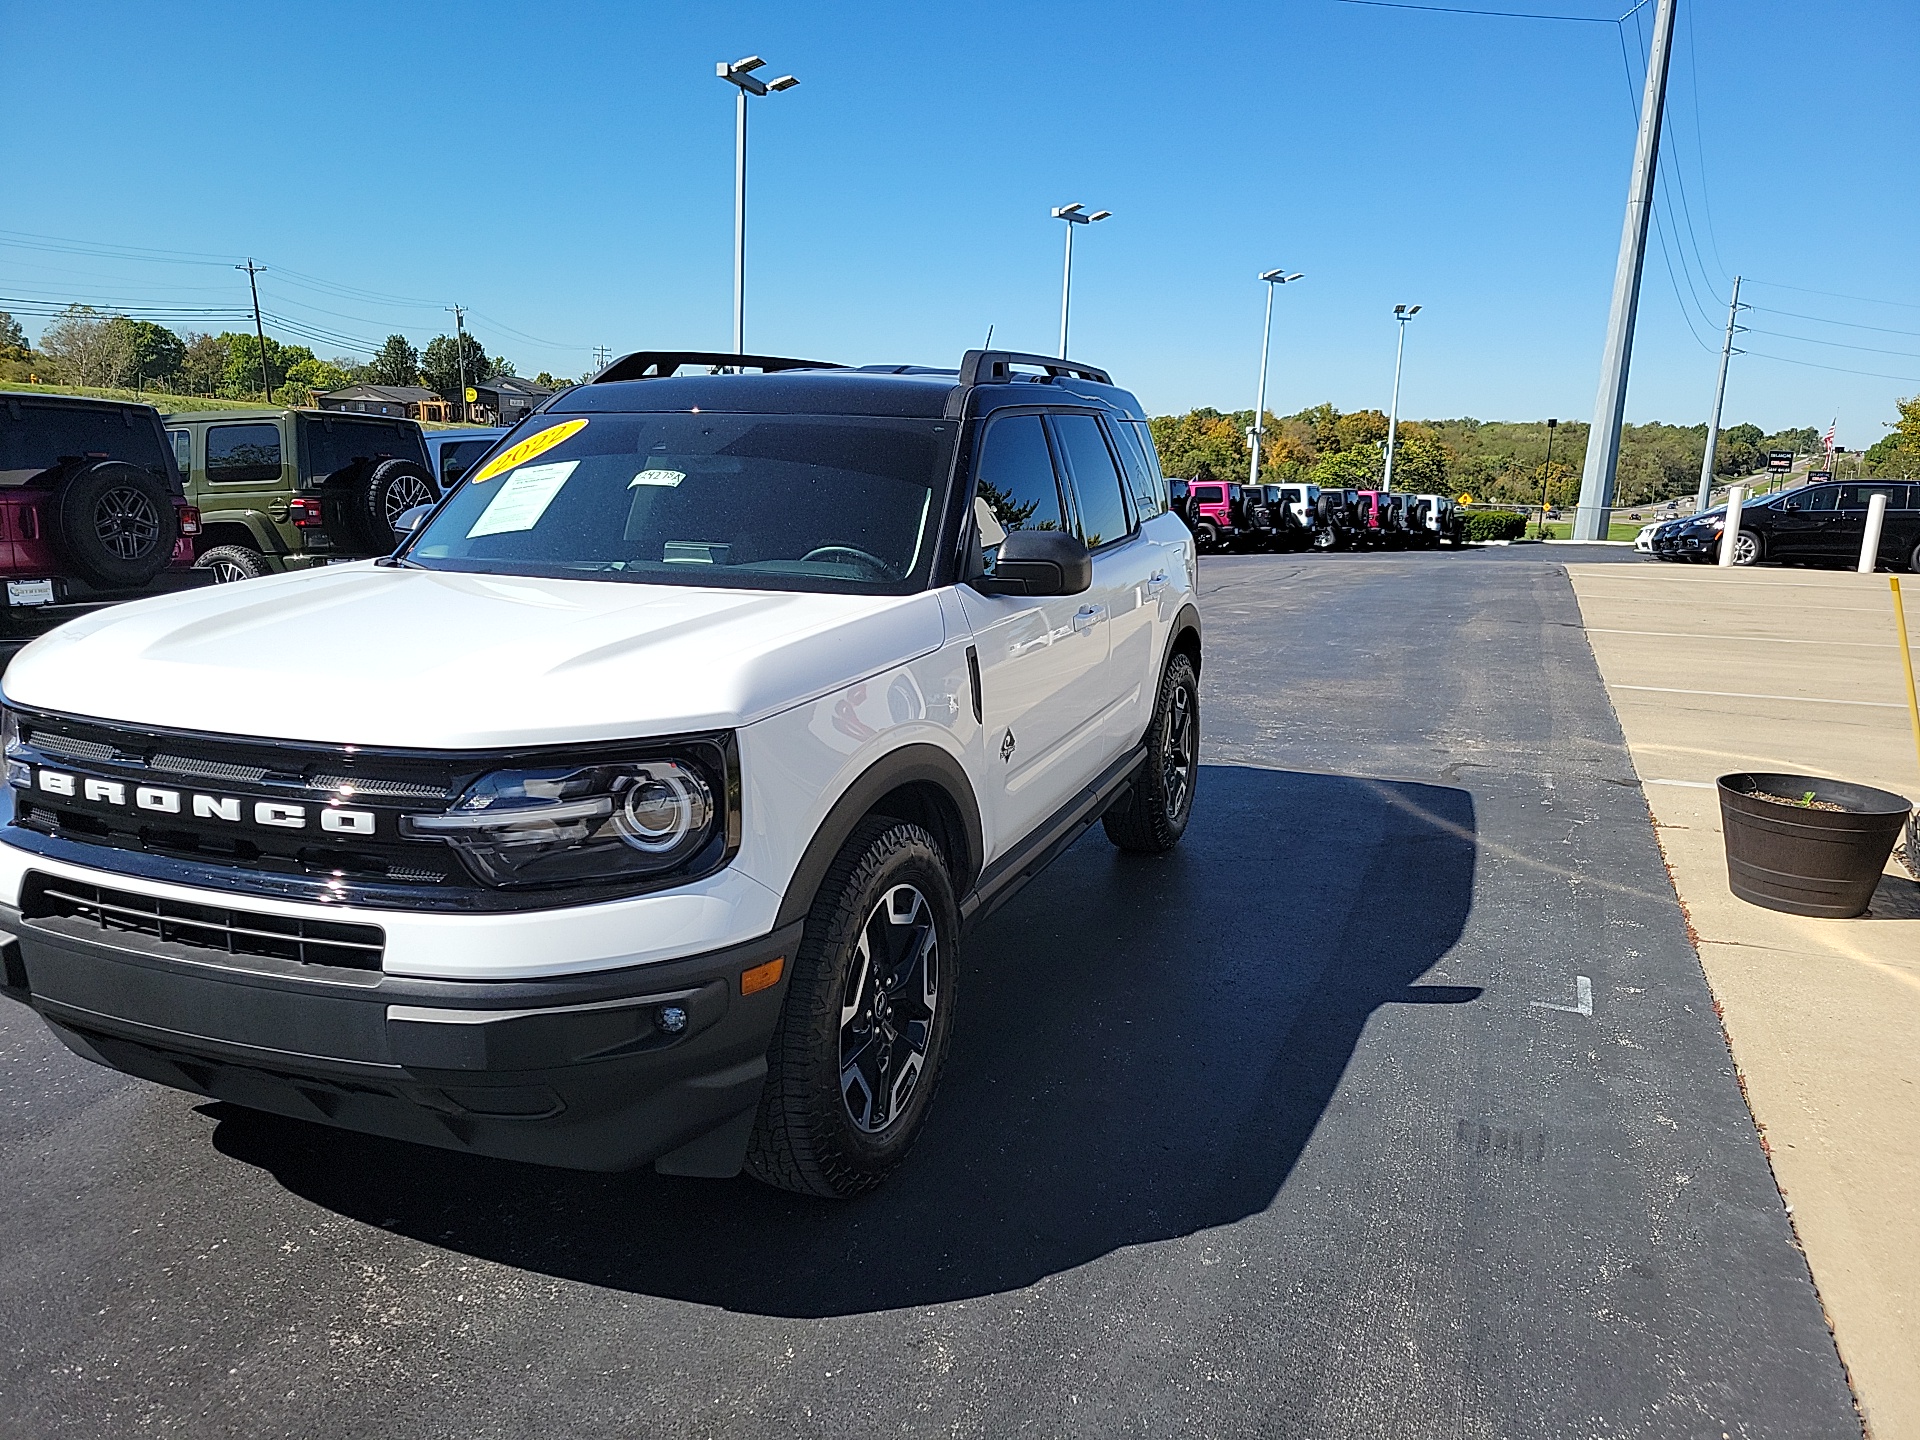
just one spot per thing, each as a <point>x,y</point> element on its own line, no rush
<point>1143,1050</point>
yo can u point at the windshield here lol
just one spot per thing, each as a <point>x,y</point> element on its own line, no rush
<point>766,502</point>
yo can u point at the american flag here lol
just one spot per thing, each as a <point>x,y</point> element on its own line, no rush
<point>1830,429</point>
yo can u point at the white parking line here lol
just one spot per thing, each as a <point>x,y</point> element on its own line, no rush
<point>1583,997</point>
<point>1743,695</point>
<point>1762,639</point>
<point>1688,784</point>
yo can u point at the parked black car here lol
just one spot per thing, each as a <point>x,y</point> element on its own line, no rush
<point>1818,523</point>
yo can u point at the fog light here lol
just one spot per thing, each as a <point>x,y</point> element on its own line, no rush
<point>672,1019</point>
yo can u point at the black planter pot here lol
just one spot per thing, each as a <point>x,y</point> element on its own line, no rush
<point>1808,861</point>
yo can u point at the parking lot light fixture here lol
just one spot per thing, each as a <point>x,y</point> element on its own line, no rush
<point>1074,214</point>
<point>1546,476</point>
<point>1254,431</point>
<point>739,74</point>
<point>1402,313</point>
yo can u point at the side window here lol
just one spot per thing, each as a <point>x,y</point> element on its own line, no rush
<point>457,457</point>
<point>182,450</point>
<point>1209,494</point>
<point>243,453</point>
<point>1821,497</point>
<point>1014,475</point>
<point>1096,481</point>
<point>1855,497</point>
<point>1144,480</point>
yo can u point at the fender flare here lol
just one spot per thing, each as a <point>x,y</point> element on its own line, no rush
<point>913,764</point>
<point>1186,623</point>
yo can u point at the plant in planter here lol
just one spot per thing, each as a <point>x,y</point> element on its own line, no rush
<point>1807,845</point>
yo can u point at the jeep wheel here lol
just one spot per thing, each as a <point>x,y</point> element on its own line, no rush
<point>115,524</point>
<point>860,1043</point>
<point>233,562</point>
<point>1207,535</point>
<point>380,496</point>
<point>1325,538</point>
<point>1154,815</point>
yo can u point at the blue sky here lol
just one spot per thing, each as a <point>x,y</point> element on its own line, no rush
<point>566,172</point>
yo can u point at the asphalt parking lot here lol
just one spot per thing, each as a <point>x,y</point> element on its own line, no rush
<point>1311,1128</point>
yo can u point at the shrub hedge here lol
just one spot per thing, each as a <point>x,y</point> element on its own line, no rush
<point>1495,524</point>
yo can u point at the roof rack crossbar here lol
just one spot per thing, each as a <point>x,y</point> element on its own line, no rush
<point>987,367</point>
<point>660,364</point>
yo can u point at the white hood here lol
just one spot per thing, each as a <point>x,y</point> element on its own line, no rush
<point>367,655</point>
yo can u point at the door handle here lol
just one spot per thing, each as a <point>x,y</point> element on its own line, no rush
<point>1087,616</point>
<point>1156,581</point>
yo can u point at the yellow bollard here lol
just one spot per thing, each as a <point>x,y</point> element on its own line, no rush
<point>1906,657</point>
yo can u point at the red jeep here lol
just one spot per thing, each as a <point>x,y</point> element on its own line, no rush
<point>91,511</point>
<point>1208,508</point>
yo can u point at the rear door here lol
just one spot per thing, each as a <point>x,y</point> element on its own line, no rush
<point>1129,572</point>
<point>243,470</point>
<point>1042,663</point>
<point>1850,519</point>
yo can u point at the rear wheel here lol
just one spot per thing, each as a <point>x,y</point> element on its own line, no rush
<point>1324,538</point>
<point>233,562</point>
<point>1154,815</point>
<point>860,1044</point>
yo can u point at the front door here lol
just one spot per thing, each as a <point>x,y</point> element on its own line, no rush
<point>1797,523</point>
<point>1042,658</point>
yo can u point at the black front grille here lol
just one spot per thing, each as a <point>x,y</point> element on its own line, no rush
<point>121,914</point>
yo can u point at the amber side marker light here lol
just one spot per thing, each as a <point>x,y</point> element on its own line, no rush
<point>762,977</point>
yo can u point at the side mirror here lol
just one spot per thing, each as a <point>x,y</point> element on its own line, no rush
<point>1039,562</point>
<point>408,521</point>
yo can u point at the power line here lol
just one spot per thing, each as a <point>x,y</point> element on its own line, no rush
<point>1837,369</point>
<point>1824,320</point>
<point>1499,14</point>
<point>1836,295</point>
<point>1838,344</point>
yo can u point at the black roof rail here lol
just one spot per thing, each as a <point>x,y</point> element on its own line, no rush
<point>659,364</point>
<point>989,367</point>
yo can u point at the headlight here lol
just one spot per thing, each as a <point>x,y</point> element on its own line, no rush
<point>561,824</point>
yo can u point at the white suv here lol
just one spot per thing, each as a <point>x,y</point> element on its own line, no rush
<point>633,810</point>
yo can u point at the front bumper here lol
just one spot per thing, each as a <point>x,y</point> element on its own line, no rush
<point>574,1071</point>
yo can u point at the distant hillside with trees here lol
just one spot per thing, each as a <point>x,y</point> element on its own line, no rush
<point>1496,460</point>
<point>83,346</point>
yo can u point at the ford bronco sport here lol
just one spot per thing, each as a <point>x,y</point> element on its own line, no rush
<point>91,511</point>
<point>290,489</point>
<point>642,820</point>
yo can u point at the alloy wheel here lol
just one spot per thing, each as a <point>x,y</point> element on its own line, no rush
<point>405,493</point>
<point>225,572</point>
<point>887,1010</point>
<point>1179,750</point>
<point>126,522</point>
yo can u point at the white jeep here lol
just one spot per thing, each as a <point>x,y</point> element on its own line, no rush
<point>633,810</point>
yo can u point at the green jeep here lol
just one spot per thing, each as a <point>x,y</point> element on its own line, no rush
<point>291,489</point>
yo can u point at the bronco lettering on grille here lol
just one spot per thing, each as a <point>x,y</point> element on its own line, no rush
<point>231,809</point>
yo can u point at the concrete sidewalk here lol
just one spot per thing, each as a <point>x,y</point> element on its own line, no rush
<point>1712,671</point>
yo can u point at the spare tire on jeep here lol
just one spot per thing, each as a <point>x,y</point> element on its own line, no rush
<point>115,524</point>
<point>373,496</point>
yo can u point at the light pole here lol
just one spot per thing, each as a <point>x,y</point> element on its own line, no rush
<point>1074,214</point>
<point>1546,477</point>
<point>739,74</point>
<point>1402,313</point>
<point>1257,429</point>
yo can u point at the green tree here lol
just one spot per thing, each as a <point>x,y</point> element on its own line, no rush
<point>243,363</point>
<point>147,352</point>
<point>13,340</point>
<point>440,364</point>
<point>85,345</point>
<point>1354,469</point>
<point>317,375</point>
<point>1201,445</point>
<point>1420,461</point>
<point>501,366</point>
<point>395,363</point>
<point>203,365</point>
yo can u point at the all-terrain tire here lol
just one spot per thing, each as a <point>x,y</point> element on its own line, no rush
<point>233,562</point>
<point>377,496</point>
<point>1207,535</point>
<point>824,1128</point>
<point>1153,817</point>
<point>115,524</point>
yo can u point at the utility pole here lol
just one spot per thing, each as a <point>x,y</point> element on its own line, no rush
<point>1074,214</point>
<point>260,334</point>
<point>1258,428</point>
<point>1403,314</point>
<point>739,74</point>
<point>460,354</point>
<point>1719,397</point>
<point>1609,405</point>
<point>601,355</point>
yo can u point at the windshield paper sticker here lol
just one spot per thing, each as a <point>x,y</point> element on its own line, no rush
<point>523,499</point>
<point>527,449</point>
<point>668,478</point>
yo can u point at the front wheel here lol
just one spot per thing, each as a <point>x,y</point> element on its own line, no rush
<point>1154,815</point>
<point>233,562</point>
<point>861,1040</point>
<point>1746,548</point>
<point>1207,535</point>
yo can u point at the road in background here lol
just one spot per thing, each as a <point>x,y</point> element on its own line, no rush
<point>1391,1104</point>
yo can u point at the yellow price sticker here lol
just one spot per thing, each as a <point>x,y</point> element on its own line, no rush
<point>528,448</point>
